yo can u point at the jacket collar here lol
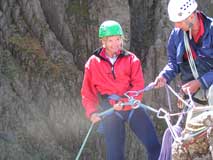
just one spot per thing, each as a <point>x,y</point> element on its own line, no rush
<point>100,52</point>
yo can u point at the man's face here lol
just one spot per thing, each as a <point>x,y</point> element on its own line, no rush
<point>184,25</point>
<point>112,44</point>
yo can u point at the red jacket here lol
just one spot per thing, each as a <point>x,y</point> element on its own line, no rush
<point>101,77</point>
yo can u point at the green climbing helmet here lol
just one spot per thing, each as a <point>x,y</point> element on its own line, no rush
<point>110,28</point>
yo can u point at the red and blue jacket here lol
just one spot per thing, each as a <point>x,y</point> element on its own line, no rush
<point>103,78</point>
<point>202,48</point>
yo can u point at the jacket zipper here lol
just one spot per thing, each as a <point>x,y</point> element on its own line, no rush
<point>113,71</point>
<point>112,65</point>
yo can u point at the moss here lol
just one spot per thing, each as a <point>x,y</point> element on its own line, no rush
<point>8,66</point>
<point>77,8</point>
<point>32,56</point>
<point>80,10</point>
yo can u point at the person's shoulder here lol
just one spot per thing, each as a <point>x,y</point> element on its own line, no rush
<point>131,55</point>
<point>208,21</point>
<point>176,35</point>
<point>90,61</point>
<point>127,53</point>
<point>176,31</point>
<point>209,24</point>
<point>93,58</point>
<point>206,17</point>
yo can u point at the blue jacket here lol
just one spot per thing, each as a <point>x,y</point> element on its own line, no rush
<point>204,60</point>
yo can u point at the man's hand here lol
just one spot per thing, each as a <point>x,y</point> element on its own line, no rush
<point>95,118</point>
<point>160,81</point>
<point>192,86</point>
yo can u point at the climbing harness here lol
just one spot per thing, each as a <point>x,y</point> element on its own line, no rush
<point>160,113</point>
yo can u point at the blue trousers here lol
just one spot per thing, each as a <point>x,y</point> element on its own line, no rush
<point>140,124</point>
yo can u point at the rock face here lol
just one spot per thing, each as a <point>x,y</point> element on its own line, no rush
<point>44,45</point>
<point>196,138</point>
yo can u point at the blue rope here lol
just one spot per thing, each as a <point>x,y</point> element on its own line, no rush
<point>102,114</point>
<point>84,142</point>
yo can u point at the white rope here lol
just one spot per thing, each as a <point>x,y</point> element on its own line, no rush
<point>181,99</point>
<point>190,58</point>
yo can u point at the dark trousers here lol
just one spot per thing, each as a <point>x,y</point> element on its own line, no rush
<point>140,124</point>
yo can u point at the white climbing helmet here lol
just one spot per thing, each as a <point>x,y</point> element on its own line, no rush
<point>179,10</point>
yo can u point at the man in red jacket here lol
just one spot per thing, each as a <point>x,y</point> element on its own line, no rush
<point>109,73</point>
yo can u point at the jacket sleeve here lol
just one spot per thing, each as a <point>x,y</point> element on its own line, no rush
<point>171,69</point>
<point>206,80</point>
<point>137,79</point>
<point>89,92</point>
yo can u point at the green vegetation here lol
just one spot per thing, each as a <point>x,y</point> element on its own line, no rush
<point>77,8</point>
<point>32,55</point>
<point>7,65</point>
<point>80,10</point>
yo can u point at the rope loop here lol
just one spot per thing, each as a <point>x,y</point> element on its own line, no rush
<point>162,113</point>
